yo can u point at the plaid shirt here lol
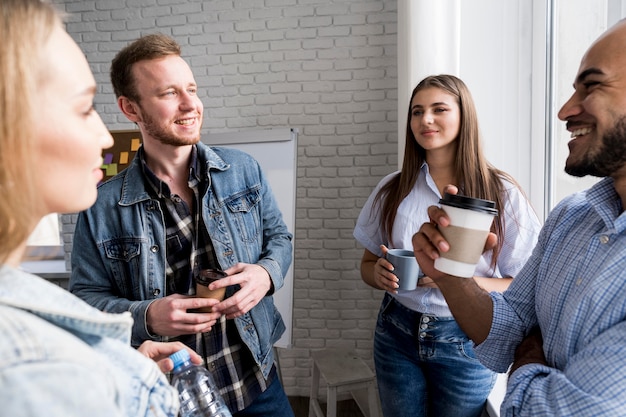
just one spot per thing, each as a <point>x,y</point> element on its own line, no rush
<point>188,250</point>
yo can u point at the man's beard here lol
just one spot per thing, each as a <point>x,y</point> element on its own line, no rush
<point>609,158</point>
<point>157,132</point>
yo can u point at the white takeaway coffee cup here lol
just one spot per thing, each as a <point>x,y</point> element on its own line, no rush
<point>470,223</point>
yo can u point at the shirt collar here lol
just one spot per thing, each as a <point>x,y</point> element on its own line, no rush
<point>161,188</point>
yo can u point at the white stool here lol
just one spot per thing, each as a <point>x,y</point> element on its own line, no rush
<point>343,371</point>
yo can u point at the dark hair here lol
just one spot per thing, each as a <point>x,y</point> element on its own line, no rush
<point>476,176</point>
<point>145,48</point>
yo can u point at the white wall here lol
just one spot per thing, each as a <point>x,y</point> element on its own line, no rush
<point>577,28</point>
<point>496,64</point>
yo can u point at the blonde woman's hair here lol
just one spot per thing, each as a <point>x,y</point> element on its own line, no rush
<point>25,25</point>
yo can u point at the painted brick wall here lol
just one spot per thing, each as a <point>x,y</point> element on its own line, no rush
<point>325,67</point>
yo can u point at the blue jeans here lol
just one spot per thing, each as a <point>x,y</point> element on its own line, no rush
<point>425,365</point>
<point>272,402</point>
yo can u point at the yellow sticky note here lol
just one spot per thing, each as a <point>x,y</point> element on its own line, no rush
<point>111,169</point>
<point>134,144</point>
<point>123,157</point>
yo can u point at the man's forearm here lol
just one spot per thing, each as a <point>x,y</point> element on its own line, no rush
<point>471,306</point>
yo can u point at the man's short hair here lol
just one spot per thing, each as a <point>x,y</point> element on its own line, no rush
<point>147,47</point>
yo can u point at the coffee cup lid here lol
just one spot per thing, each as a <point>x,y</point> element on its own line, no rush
<point>463,202</point>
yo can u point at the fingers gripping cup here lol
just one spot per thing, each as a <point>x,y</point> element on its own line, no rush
<point>203,279</point>
<point>405,267</point>
<point>470,222</point>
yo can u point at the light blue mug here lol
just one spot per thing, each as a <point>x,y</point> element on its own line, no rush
<point>405,267</point>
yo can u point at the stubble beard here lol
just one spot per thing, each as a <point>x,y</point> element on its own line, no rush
<point>157,132</point>
<point>609,157</point>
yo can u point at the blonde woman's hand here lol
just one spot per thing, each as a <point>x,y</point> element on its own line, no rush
<point>160,352</point>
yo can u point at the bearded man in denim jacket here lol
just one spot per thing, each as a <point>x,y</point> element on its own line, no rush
<point>178,208</point>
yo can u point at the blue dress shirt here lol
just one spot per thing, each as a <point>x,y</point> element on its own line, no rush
<point>574,288</point>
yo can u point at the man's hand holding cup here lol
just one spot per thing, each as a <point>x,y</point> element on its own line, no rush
<point>429,242</point>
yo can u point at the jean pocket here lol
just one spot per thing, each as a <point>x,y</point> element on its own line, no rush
<point>393,315</point>
<point>467,350</point>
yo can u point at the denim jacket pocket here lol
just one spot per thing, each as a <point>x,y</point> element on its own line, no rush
<point>123,255</point>
<point>244,208</point>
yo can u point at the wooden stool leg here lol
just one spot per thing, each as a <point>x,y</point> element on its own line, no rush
<point>372,399</point>
<point>314,407</point>
<point>331,403</point>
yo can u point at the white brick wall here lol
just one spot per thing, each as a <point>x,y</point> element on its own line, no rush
<point>326,67</point>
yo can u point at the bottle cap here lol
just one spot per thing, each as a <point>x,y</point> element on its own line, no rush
<point>180,358</point>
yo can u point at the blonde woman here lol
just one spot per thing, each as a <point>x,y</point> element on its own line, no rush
<point>59,356</point>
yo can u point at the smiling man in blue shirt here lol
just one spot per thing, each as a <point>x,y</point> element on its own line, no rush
<point>562,322</point>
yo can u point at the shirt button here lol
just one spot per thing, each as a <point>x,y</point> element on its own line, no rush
<point>154,249</point>
<point>604,239</point>
<point>422,335</point>
<point>425,319</point>
<point>579,281</point>
<point>424,326</point>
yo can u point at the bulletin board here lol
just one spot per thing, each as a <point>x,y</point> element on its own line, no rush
<point>117,157</point>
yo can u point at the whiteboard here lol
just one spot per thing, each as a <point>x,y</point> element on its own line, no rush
<point>276,152</point>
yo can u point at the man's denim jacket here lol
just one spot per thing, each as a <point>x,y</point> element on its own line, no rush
<point>118,256</point>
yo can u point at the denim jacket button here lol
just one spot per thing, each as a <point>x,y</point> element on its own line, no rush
<point>154,249</point>
<point>156,292</point>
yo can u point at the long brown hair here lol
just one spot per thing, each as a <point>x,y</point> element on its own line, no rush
<point>475,175</point>
<point>25,25</point>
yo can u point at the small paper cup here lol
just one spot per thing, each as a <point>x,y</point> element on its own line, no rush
<point>470,223</point>
<point>203,279</point>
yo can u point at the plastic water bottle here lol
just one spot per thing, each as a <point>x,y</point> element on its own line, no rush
<point>197,392</point>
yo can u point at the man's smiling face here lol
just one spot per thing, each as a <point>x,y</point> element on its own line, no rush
<point>596,113</point>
